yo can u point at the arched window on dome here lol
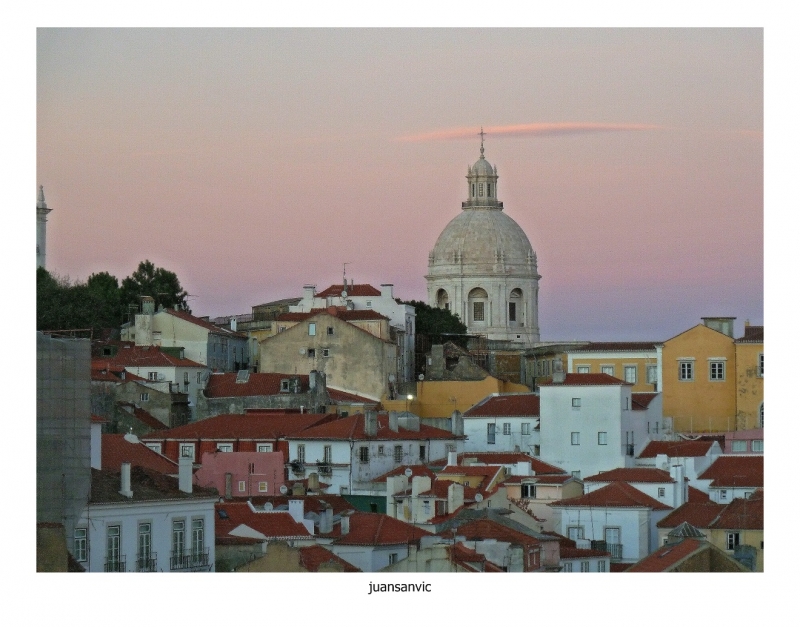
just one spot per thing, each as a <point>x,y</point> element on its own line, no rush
<point>478,306</point>
<point>516,311</point>
<point>442,300</point>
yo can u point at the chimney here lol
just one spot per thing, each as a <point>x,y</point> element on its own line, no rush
<point>125,480</point>
<point>457,423</point>
<point>452,458</point>
<point>393,426</point>
<point>233,323</point>
<point>312,381</point>
<point>228,485</point>
<point>185,474</point>
<point>420,484</point>
<point>371,423</point>
<point>326,519</point>
<point>345,520</point>
<point>308,294</point>
<point>387,290</point>
<point>558,372</point>
<point>680,490</point>
<point>313,482</point>
<point>296,510</point>
<point>455,497</point>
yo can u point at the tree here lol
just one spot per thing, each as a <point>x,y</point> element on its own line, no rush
<point>161,284</point>
<point>438,324</point>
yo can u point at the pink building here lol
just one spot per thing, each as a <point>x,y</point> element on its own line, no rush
<point>745,442</point>
<point>241,474</point>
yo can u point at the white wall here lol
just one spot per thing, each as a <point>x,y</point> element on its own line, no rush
<point>475,428</point>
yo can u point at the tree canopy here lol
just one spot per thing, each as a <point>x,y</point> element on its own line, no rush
<point>437,323</point>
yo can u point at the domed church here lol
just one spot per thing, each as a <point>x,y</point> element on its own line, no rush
<point>483,267</point>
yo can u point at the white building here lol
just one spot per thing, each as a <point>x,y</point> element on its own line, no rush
<point>503,423</point>
<point>142,521</point>
<point>483,267</point>
<point>402,318</point>
<point>589,423</point>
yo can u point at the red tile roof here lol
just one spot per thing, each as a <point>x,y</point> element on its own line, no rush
<point>352,428</point>
<point>633,475</point>
<point>505,405</point>
<point>362,289</point>
<point>118,375</point>
<point>145,417</point>
<point>340,312</point>
<point>742,513</point>
<point>591,378</point>
<point>745,471</point>
<point>697,496</point>
<point>574,553</point>
<point>224,385</point>
<point>753,334</point>
<point>697,514</point>
<point>417,470</point>
<point>209,326</point>
<point>539,479</point>
<point>146,485</point>
<point>311,502</point>
<point>274,525</point>
<point>489,473</point>
<point>595,347</point>
<point>617,494</point>
<point>369,529</point>
<point>668,557</point>
<point>116,449</point>
<point>312,557</point>
<point>470,560</point>
<point>142,356</point>
<point>679,448</point>
<point>342,397</point>
<point>537,465</point>
<point>641,400</point>
<point>242,427</point>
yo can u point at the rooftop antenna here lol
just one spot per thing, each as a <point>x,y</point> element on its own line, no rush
<point>344,279</point>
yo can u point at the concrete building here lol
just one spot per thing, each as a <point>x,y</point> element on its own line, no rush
<point>637,363</point>
<point>750,378</point>
<point>503,423</point>
<point>483,267</point>
<point>41,229</point>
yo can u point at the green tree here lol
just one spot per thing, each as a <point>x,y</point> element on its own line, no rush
<point>439,325</point>
<point>161,284</point>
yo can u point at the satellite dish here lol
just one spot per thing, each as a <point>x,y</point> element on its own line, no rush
<point>344,293</point>
<point>284,489</point>
<point>421,377</point>
<point>408,472</point>
<point>302,351</point>
<point>478,498</point>
<point>391,378</point>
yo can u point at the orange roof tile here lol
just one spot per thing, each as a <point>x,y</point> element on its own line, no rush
<point>369,529</point>
<point>679,448</point>
<point>352,428</point>
<point>242,427</point>
<point>209,326</point>
<point>667,557</point>
<point>363,289</point>
<point>753,334</point>
<point>641,400</point>
<point>745,471</point>
<point>594,347</point>
<point>115,450</point>
<point>491,457</point>
<point>224,384</point>
<point>592,378</point>
<point>274,525</point>
<point>633,475</point>
<point>697,514</point>
<point>312,557</point>
<point>616,494</point>
<point>142,356</point>
<point>505,405</point>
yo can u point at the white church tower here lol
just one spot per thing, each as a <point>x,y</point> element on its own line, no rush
<point>41,228</point>
<point>483,267</point>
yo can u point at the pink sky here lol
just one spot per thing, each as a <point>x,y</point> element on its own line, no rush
<point>253,161</point>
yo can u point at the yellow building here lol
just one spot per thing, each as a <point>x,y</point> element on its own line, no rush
<point>750,378</point>
<point>637,363</point>
<point>699,377</point>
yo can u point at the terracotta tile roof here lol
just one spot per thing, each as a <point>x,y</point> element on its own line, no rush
<point>697,496</point>
<point>574,553</point>
<point>312,557</point>
<point>485,529</point>
<point>224,385</point>
<point>753,334</point>
<point>591,378</point>
<point>369,529</point>
<point>679,448</point>
<point>470,560</point>
<point>669,556</point>
<point>352,428</point>
<point>362,289</point>
<point>417,470</point>
<point>439,488</point>
<point>273,525</point>
<point>633,475</point>
<point>596,347</point>
<point>146,485</point>
<point>242,427</point>
<point>342,313</point>
<point>142,356</point>
<point>641,400</point>
<point>145,417</point>
<point>538,466</point>
<point>209,326</point>
<point>742,514</point>
<point>489,473</point>
<point>311,502</point>
<point>100,419</point>
<point>617,494</point>
<point>115,449</point>
<point>540,479</point>
<point>697,514</point>
<point>505,405</point>
<point>340,396</point>
<point>745,471</point>
<point>118,375</point>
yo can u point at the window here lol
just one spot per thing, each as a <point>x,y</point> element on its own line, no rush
<point>630,374</point>
<point>732,540</point>
<point>393,558</point>
<point>363,454</point>
<point>716,371</point>
<point>739,446</point>
<point>284,385</point>
<point>584,567</point>
<point>506,428</point>
<point>225,448</point>
<point>79,547</point>
<point>242,486</point>
<point>602,438</point>
<point>112,549</point>
<point>582,370</point>
<point>312,353</point>
<point>575,533</point>
<point>686,371</point>
<point>490,433</point>
<point>144,396</point>
<point>199,378</point>
<point>398,453</point>
<point>528,491</point>
<point>281,328</point>
<point>301,453</point>
<point>607,370</point>
<point>662,492</point>
<point>326,352</point>
<point>380,450</point>
<point>575,438</point>
<point>652,374</point>
<point>526,428</point>
<point>144,547</point>
<point>422,452</point>
<point>178,538</point>
<point>198,538</point>
<point>312,328</point>
<point>152,376</point>
<point>723,495</point>
<point>512,312</point>
<point>187,450</point>
<point>155,447</point>
<point>477,312</point>
<point>263,448</point>
<point>601,566</point>
<point>262,486</point>
<point>576,474</point>
<point>327,455</point>
<point>761,364</point>
<point>186,378</point>
<point>330,330</point>
<point>758,446</point>
<point>567,567</point>
<point>576,402</point>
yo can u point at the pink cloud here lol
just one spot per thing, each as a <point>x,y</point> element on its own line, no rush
<point>520,130</point>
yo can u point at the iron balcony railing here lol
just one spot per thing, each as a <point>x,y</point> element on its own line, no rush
<point>608,547</point>
<point>115,565</point>
<point>146,563</point>
<point>189,560</point>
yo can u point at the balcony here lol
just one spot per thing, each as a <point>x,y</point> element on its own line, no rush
<point>115,564</point>
<point>188,561</point>
<point>146,563</point>
<point>614,549</point>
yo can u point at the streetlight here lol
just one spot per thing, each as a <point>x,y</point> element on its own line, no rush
<point>409,398</point>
